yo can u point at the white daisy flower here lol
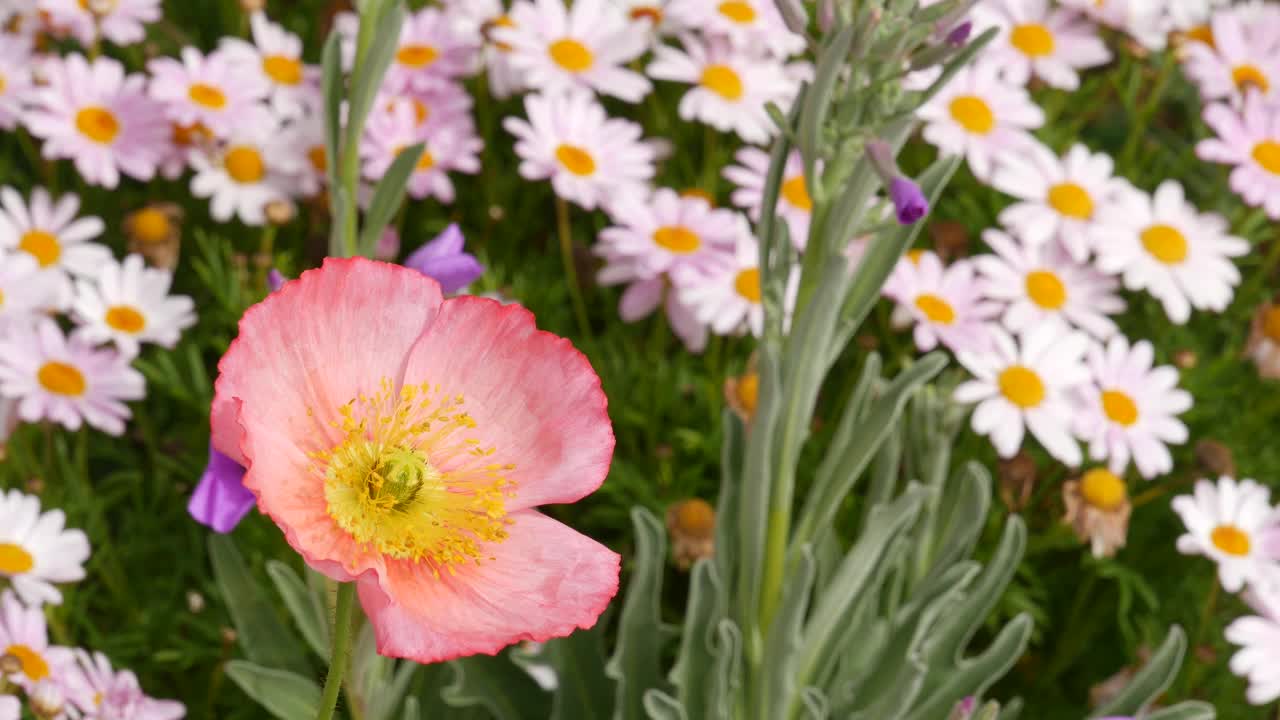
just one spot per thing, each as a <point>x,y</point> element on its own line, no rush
<point>1163,245</point>
<point>25,289</point>
<point>749,24</point>
<point>1249,139</point>
<point>645,292</point>
<point>448,148</point>
<point>589,157</point>
<point>50,233</point>
<point>130,304</point>
<point>794,204</point>
<point>476,20</point>
<point>1130,408</point>
<point>37,550</point>
<point>731,87</point>
<point>1258,659</point>
<point>120,21</point>
<point>728,297</point>
<point>1141,19</point>
<point>243,174</point>
<point>1224,523</point>
<point>306,158</point>
<point>15,79</point>
<point>429,52</point>
<point>980,116</point>
<point>66,381</point>
<point>666,231</point>
<point>587,46</point>
<point>1062,198</point>
<point>1036,39</point>
<point>1184,15</point>
<point>1041,284</point>
<point>945,304</point>
<point>212,91</point>
<point>10,708</point>
<point>1238,62</point>
<point>1025,385</point>
<point>24,635</point>
<point>274,59</point>
<point>653,15</point>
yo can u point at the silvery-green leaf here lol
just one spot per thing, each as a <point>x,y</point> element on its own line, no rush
<point>286,695</point>
<point>1011,710</point>
<point>636,662</point>
<point>411,711</point>
<point>1191,710</point>
<point>729,503</point>
<point>498,685</point>
<point>695,661</point>
<point>379,37</point>
<point>974,676</point>
<point>965,506</point>
<point>815,704</point>
<point>661,706</point>
<point>332,86</point>
<point>817,100</point>
<point>722,701</point>
<point>1153,679</point>
<point>388,196</point>
<point>584,690</point>
<point>263,637</point>
<point>306,607</point>
<point>779,674</point>
<point>382,704</point>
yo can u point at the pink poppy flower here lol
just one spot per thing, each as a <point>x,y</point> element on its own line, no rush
<point>411,461</point>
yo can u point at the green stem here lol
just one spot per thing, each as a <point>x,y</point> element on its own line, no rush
<point>570,268</point>
<point>1206,617</point>
<point>341,650</point>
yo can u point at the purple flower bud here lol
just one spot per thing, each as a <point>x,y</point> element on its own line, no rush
<point>908,201</point>
<point>221,500</point>
<point>959,34</point>
<point>274,280</point>
<point>444,260</point>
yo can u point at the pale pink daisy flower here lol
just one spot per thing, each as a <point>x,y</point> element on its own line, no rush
<point>130,304</point>
<point>41,552</point>
<point>305,159</point>
<point>26,290</point>
<point>1025,385</point>
<point>101,692</point>
<point>445,104</point>
<point>749,24</point>
<point>1184,15</point>
<point>430,51</point>
<point>15,79</point>
<point>590,158</point>
<point>10,708</point>
<point>274,59</point>
<point>449,148</point>
<point>794,204</point>
<point>653,15</point>
<point>1160,243</point>
<point>476,20</point>
<point>588,45</point>
<point>1041,284</point>
<point>728,297</point>
<point>1036,39</point>
<point>1226,523</point>
<point>946,304</point>
<point>1238,62</point>
<point>98,117</point>
<point>1141,19</point>
<point>1130,407</point>
<point>731,87</point>
<point>1258,659</point>
<point>49,232</point>
<point>645,292</point>
<point>666,231</point>
<point>66,381</point>
<point>120,21</point>
<point>980,116</point>
<point>1062,198</point>
<point>244,173</point>
<point>24,635</point>
<point>1249,139</point>
<point>210,90</point>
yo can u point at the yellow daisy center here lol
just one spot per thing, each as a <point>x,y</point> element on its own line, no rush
<point>60,378</point>
<point>41,245</point>
<point>416,56</point>
<point>1267,154</point>
<point>1231,540</point>
<point>1202,33</point>
<point>936,309</point>
<point>723,81</point>
<point>915,255</point>
<point>1032,39</point>
<point>407,482</point>
<point>1,298</point>
<point>282,69</point>
<point>571,55</point>
<point>737,11</point>
<point>207,95</point>
<point>187,135</point>
<point>1271,324</point>
<point>1046,290</point>
<point>576,160</point>
<point>1119,407</point>
<point>1021,386</point>
<point>1165,243</point>
<point>3,82</point>
<point>748,392</point>
<point>98,124</point>
<point>973,113</point>
<point>244,164</point>
<point>747,283</point>
<point>647,12</point>
<point>700,194</point>
<point>98,7</point>
<point>1102,489</point>
<point>500,21</point>
<point>426,162</point>
<point>1246,76</point>
<point>151,225</point>
<point>15,560</point>
<point>678,239</point>
<point>319,160</point>
<point>33,665</point>
<point>1071,200</point>
<point>126,319</point>
<point>796,194</point>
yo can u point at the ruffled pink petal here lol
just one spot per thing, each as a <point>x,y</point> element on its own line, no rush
<point>544,581</point>
<point>535,399</point>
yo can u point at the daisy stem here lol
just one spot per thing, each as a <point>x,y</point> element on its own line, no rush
<point>1206,616</point>
<point>341,649</point>
<point>570,269</point>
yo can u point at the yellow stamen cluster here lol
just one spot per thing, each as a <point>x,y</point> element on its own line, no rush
<point>407,481</point>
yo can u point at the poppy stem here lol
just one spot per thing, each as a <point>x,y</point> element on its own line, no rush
<point>341,650</point>
<point>570,266</point>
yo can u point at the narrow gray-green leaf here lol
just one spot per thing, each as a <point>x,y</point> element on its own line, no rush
<point>636,662</point>
<point>584,690</point>
<point>263,637</point>
<point>661,706</point>
<point>411,711</point>
<point>778,679</point>
<point>370,69</point>
<point>974,676</point>
<point>387,197</point>
<point>331,82</point>
<point>721,703</point>
<point>1153,679</point>
<point>498,685</point>
<point>1191,710</point>
<point>286,695</point>
<point>695,661</point>
<point>306,607</point>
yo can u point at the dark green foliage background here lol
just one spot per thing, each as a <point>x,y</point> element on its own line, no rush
<point>1092,615</point>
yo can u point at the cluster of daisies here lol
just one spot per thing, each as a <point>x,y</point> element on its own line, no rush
<point>53,275</point>
<point>37,552</point>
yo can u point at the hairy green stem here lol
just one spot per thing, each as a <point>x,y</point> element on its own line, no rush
<point>340,656</point>
<point>570,268</point>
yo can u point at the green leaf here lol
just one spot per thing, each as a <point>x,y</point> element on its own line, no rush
<point>661,706</point>
<point>1153,679</point>
<point>636,662</point>
<point>379,36</point>
<point>974,676</point>
<point>498,685</point>
<point>388,196</point>
<point>285,695</point>
<point>331,83</point>
<point>1193,710</point>
<point>722,702</point>
<point>695,661</point>
<point>785,635</point>
<point>584,690</point>
<point>832,61</point>
<point>1011,709</point>
<point>411,711</point>
<point>264,639</point>
<point>307,608</point>
<point>728,505</point>
<point>961,526</point>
